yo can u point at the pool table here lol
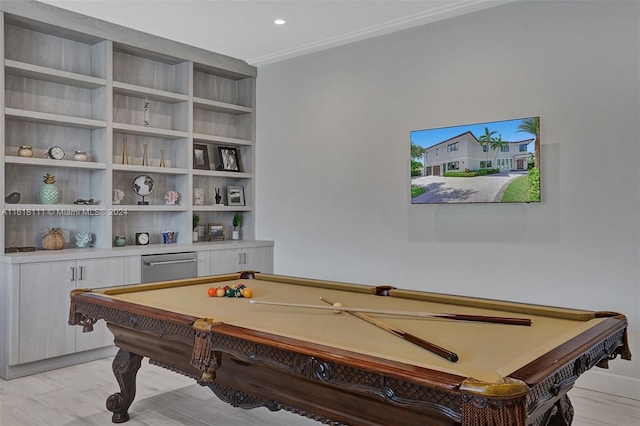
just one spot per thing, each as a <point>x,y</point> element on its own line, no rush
<point>340,370</point>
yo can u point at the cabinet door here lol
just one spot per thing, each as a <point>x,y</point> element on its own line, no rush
<point>204,263</point>
<point>225,261</point>
<point>44,310</point>
<point>96,273</point>
<point>258,259</point>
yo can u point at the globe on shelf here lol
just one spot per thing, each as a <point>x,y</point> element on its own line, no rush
<point>143,186</point>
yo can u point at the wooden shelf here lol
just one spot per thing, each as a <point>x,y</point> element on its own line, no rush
<point>149,131</point>
<point>216,173</point>
<point>148,169</point>
<point>218,208</point>
<point>145,92</point>
<point>51,209</point>
<point>199,137</point>
<point>40,162</point>
<point>82,90</point>
<point>151,208</point>
<point>220,106</point>
<point>55,119</point>
<point>37,72</point>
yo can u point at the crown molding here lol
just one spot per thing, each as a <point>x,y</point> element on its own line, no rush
<point>450,10</point>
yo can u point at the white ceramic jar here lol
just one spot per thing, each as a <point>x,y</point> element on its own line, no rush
<point>25,151</point>
<point>80,156</point>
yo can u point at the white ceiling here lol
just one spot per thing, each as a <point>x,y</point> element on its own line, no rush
<point>244,29</point>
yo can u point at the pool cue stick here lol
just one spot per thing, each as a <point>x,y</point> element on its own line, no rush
<point>457,317</point>
<point>445,353</point>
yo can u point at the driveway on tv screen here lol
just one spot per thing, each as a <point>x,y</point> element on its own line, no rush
<point>477,189</point>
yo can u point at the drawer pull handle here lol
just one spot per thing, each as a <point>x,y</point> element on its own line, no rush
<point>169,262</point>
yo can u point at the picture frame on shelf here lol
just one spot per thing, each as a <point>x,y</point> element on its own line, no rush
<point>198,196</point>
<point>216,231</point>
<point>235,195</point>
<point>201,157</point>
<point>229,159</point>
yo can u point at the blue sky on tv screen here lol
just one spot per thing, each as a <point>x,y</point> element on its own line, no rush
<point>508,129</point>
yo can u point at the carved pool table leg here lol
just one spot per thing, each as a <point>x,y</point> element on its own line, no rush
<point>125,367</point>
<point>562,414</point>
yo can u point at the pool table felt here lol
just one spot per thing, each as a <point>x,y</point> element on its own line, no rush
<point>487,352</point>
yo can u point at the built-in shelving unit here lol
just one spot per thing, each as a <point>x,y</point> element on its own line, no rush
<point>136,104</point>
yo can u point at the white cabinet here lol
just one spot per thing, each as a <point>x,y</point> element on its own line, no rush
<point>97,273</point>
<point>44,311</point>
<point>204,263</point>
<point>44,289</point>
<point>226,261</point>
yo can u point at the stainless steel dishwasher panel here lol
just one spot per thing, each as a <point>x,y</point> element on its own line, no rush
<point>171,266</point>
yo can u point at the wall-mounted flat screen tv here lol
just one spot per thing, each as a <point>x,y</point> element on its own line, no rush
<point>493,162</point>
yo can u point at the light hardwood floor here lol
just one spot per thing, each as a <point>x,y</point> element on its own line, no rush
<point>75,396</point>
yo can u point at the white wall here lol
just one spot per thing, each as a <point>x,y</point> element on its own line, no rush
<point>333,160</point>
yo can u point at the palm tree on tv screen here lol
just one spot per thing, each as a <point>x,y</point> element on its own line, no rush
<point>532,126</point>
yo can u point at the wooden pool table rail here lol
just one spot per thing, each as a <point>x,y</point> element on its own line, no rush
<point>332,385</point>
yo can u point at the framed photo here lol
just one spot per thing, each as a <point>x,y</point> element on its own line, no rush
<point>216,232</point>
<point>229,160</point>
<point>198,196</point>
<point>235,195</point>
<point>200,157</point>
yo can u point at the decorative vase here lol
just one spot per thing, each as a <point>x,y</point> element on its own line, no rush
<point>120,241</point>
<point>25,151</point>
<point>53,239</point>
<point>125,157</point>
<point>235,234</point>
<point>194,236</point>
<point>144,156</point>
<point>80,156</point>
<point>49,193</point>
<point>162,158</point>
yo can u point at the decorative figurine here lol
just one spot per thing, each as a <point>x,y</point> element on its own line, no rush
<point>13,198</point>
<point>146,107</point>
<point>171,198</point>
<point>87,202</point>
<point>118,196</point>
<point>83,239</point>
<point>49,193</point>
<point>218,196</point>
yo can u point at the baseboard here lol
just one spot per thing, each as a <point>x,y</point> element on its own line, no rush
<point>613,384</point>
<point>15,371</point>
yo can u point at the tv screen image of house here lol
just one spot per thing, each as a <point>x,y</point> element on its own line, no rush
<point>492,162</point>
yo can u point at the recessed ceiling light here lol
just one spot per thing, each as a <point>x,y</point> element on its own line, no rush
<point>279,21</point>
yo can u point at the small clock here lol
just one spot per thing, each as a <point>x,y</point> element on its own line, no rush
<point>55,153</point>
<point>142,238</point>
